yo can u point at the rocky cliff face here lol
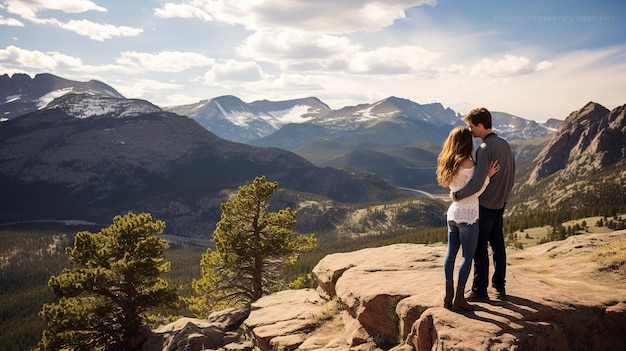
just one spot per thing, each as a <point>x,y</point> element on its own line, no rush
<point>583,165</point>
<point>589,139</point>
<point>391,297</point>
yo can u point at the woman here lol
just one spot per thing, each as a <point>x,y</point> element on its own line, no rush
<point>455,168</point>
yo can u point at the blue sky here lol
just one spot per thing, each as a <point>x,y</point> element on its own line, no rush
<point>534,59</point>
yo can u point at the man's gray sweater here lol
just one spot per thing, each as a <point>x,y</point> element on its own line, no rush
<point>497,193</point>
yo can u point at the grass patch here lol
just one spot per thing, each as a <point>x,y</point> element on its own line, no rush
<point>528,237</point>
<point>611,257</point>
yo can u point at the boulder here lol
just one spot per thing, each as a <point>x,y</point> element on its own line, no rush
<point>191,334</point>
<point>282,320</point>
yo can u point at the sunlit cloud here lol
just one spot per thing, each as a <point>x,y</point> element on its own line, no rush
<point>299,51</point>
<point>311,16</point>
<point>509,66</point>
<point>294,45</point>
<point>396,60</point>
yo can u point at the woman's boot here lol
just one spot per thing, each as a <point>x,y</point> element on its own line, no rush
<point>459,300</point>
<point>447,301</point>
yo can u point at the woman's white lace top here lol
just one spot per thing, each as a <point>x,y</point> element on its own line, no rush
<point>465,210</point>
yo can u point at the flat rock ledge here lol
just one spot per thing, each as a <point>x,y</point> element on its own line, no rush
<point>390,298</point>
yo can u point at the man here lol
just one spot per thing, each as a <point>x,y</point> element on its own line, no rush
<point>492,202</point>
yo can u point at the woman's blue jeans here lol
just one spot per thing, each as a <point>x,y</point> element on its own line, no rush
<point>464,236</point>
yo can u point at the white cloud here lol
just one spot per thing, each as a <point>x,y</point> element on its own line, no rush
<point>396,60</point>
<point>544,65</point>
<point>10,22</point>
<point>509,66</point>
<point>129,65</point>
<point>234,72</point>
<point>298,45</point>
<point>95,31</point>
<point>301,51</point>
<point>312,16</point>
<point>165,61</point>
<point>51,61</point>
<point>184,10</point>
<point>28,9</point>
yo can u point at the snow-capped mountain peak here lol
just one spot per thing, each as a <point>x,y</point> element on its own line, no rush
<point>87,106</point>
<point>20,94</point>
<point>233,119</point>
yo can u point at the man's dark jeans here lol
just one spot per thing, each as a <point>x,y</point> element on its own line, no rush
<point>490,232</point>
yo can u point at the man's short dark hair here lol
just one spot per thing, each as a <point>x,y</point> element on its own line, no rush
<point>479,115</point>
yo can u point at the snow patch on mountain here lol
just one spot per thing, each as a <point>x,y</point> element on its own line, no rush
<point>46,99</point>
<point>12,98</point>
<point>87,106</point>
<point>241,119</point>
<point>369,115</point>
<point>293,115</point>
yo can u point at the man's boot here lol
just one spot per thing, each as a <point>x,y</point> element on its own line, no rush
<point>459,300</point>
<point>447,301</point>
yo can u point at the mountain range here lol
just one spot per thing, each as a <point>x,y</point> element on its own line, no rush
<point>91,157</point>
<point>90,153</point>
<point>394,138</point>
<point>290,124</point>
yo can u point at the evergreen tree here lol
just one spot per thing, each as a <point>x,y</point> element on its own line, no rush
<point>252,247</point>
<point>114,281</point>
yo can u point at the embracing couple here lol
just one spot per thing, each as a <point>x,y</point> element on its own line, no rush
<point>479,190</point>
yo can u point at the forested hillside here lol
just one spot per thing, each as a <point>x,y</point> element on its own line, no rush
<point>28,259</point>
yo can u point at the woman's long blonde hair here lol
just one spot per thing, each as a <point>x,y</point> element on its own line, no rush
<point>457,147</point>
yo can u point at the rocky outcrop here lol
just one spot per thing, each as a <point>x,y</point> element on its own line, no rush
<point>390,297</point>
<point>190,334</point>
<point>582,166</point>
<point>588,139</point>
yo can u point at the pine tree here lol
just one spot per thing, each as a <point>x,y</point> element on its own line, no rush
<point>252,247</point>
<point>114,281</point>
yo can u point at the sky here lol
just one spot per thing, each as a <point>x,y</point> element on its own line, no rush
<point>536,59</point>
